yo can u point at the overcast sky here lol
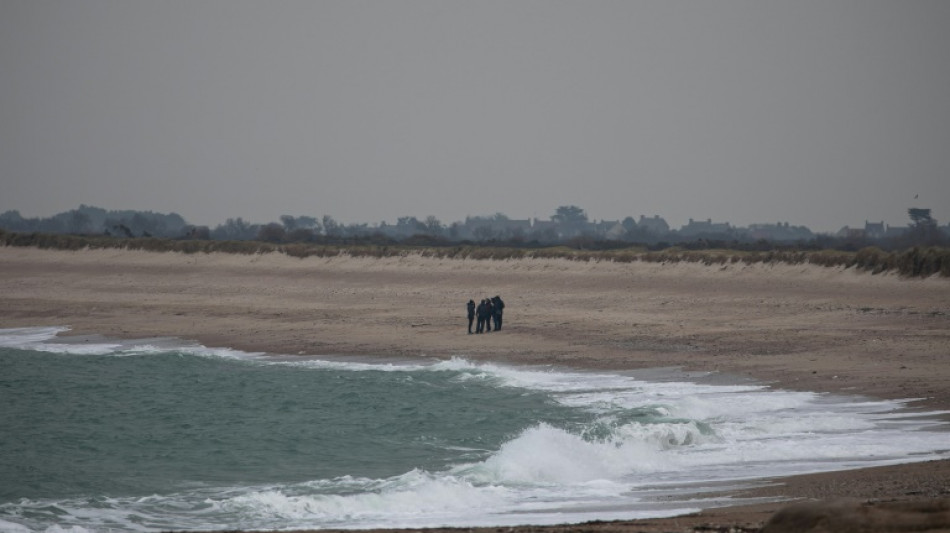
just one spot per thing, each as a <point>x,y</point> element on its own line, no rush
<point>822,113</point>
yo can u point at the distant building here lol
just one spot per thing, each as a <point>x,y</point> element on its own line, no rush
<point>874,230</point>
<point>488,228</point>
<point>895,231</point>
<point>542,225</point>
<point>778,232</point>
<point>509,228</point>
<point>612,230</point>
<point>655,225</point>
<point>697,228</point>
<point>848,232</point>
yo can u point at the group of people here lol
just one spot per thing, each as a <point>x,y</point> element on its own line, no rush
<point>488,312</point>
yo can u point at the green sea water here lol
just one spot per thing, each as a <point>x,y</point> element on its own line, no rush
<point>159,422</point>
<point>159,434</point>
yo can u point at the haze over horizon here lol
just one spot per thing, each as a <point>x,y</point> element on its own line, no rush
<point>816,113</point>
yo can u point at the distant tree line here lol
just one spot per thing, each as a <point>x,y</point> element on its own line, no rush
<point>569,225</point>
<point>87,220</point>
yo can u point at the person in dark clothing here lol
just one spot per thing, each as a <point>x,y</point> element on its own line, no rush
<point>498,307</point>
<point>489,311</point>
<point>480,314</point>
<point>471,314</point>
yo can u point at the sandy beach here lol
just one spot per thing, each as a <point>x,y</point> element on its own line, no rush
<point>797,327</point>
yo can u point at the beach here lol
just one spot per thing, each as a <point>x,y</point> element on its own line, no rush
<point>797,327</point>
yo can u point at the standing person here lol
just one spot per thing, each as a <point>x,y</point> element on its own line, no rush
<point>480,312</point>
<point>471,314</point>
<point>498,307</point>
<point>488,314</point>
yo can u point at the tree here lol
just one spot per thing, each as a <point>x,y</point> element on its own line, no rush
<point>569,214</point>
<point>356,229</point>
<point>196,233</point>
<point>300,235</point>
<point>483,233</point>
<point>123,229</point>
<point>924,231</point>
<point>80,222</point>
<point>454,230</point>
<point>289,222</point>
<point>272,232</point>
<point>921,217</point>
<point>331,227</point>
<point>308,222</point>
<point>146,224</point>
<point>235,229</point>
<point>409,226</point>
<point>433,226</point>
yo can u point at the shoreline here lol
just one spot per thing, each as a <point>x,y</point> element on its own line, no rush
<point>797,327</point>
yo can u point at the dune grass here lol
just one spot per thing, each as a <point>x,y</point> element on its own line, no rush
<point>916,262</point>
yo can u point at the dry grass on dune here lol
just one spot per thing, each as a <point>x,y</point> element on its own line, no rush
<point>913,262</point>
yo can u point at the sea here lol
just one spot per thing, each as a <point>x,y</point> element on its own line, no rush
<point>100,434</point>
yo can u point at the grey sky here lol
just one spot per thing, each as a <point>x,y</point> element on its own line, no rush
<point>823,113</point>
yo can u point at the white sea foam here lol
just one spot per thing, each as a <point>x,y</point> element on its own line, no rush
<point>69,529</point>
<point>48,340</point>
<point>26,338</point>
<point>10,527</point>
<point>682,437</point>
<point>544,455</point>
<point>352,366</point>
<point>412,495</point>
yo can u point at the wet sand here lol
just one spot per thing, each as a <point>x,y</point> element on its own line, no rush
<point>791,326</point>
